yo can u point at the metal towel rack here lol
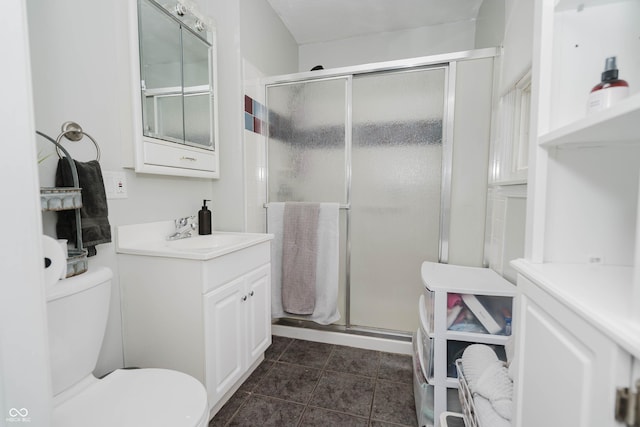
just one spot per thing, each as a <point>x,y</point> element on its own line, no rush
<point>77,260</point>
<point>341,206</point>
<point>73,132</point>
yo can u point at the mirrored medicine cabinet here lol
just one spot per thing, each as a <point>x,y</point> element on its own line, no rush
<point>175,101</point>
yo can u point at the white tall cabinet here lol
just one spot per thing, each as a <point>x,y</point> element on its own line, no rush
<point>578,320</point>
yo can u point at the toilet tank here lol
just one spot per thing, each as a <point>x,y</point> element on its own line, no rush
<point>77,311</point>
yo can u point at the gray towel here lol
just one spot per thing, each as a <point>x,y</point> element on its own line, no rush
<point>94,211</point>
<point>299,257</point>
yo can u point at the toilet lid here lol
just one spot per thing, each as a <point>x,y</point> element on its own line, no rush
<point>137,398</point>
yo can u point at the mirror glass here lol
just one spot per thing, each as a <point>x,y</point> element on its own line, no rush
<point>176,77</point>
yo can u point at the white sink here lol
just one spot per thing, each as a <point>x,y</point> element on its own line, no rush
<point>150,239</point>
<point>211,241</point>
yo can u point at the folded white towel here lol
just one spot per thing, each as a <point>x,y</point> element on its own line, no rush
<point>327,274</point>
<point>475,359</point>
<point>487,416</point>
<point>495,385</point>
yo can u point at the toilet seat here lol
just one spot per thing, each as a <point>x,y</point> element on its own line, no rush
<point>137,398</point>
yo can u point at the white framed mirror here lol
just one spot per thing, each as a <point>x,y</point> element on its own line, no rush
<point>175,96</point>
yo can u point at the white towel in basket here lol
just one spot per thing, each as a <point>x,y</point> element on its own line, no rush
<point>495,385</point>
<point>475,359</point>
<point>487,416</point>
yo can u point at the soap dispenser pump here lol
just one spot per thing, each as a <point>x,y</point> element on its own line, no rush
<point>204,219</point>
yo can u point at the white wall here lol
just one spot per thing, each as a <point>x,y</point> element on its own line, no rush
<point>266,42</point>
<point>78,75</point>
<point>81,73</point>
<point>24,356</point>
<point>470,161</point>
<point>518,42</point>
<point>505,231</point>
<point>248,29</point>
<point>490,24</point>
<point>389,46</point>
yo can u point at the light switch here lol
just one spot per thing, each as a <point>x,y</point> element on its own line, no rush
<point>115,184</point>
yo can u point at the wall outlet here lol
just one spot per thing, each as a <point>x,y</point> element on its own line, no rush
<point>115,184</point>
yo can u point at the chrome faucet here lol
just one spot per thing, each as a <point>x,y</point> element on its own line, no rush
<point>184,227</point>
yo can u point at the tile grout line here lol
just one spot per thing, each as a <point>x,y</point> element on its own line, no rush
<point>322,371</point>
<point>375,387</point>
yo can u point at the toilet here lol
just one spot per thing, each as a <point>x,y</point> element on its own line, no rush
<point>77,311</point>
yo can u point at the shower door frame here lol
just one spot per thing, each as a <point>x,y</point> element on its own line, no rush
<point>447,62</point>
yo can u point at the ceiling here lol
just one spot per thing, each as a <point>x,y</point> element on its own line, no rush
<point>313,21</point>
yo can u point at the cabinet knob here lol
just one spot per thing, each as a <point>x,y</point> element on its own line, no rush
<point>244,298</point>
<point>251,293</point>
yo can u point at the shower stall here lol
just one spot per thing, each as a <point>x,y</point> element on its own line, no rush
<point>378,140</point>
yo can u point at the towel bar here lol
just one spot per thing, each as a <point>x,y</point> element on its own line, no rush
<point>73,132</point>
<point>347,206</point>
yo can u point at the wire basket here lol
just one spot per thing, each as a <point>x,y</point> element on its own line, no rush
<point>77,262</point>
<point>466,399</point>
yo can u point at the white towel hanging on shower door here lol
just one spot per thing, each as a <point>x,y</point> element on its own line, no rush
<point>327,272</point>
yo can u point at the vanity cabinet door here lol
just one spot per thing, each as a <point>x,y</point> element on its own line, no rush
<point>258,285</point>
<point>237,329</point>
<point>568,370</point>
<point>224,337</point>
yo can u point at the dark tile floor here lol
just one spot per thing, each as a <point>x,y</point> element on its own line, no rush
<point>305,383</point>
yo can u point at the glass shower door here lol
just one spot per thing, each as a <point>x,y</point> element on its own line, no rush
<point>396,170</point>
<point>307,150</point>
<point>307,141</point>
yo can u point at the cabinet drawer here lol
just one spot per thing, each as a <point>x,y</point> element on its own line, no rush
<point>425,354</point>
<point>480,314</point>
<point>179,156</point>
<point>221,270</point>
<point>427,302</point>
<point>424,393</point>
<point>455,350</point>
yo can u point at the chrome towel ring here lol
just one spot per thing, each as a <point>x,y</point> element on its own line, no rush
<point>73,132</point>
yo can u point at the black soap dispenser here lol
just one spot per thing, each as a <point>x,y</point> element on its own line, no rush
<point>204,219</point>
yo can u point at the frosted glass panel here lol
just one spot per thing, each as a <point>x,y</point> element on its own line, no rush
<point>169,114</point>
<point>306,147</point>
<point>395,193</point>
<point>198,130</point>
<point>197,122</point>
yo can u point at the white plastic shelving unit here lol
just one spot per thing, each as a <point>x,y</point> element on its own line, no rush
<point>442,345</point>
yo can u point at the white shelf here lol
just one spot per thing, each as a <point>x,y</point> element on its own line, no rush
<point>575,4</point>
<point>465,280</point>
<point>600,294</point>
<point>476,337</point>
<point>618,124</point>
<point>452,383</point>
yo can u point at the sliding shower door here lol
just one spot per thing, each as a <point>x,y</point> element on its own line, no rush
<point>395,193</point>
<point>373,143</point>
<point>307,150</point>
<point>308,141</point>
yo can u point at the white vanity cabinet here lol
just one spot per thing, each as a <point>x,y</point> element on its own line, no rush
<point>209,317</point>
<point>238,328</point>
<point>578,286</point>
<point>568,368</point>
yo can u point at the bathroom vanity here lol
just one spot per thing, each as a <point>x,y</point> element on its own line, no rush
<point>200,305</point>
